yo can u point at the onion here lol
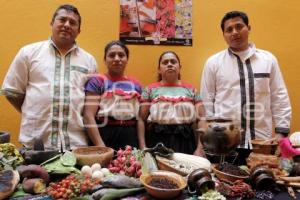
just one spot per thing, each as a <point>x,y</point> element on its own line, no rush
<point>105,171</point>
<point>96,167</point>
<point>86,171</point>
<point>97,176</point>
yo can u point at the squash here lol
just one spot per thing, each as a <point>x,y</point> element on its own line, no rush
<point>8,182</point>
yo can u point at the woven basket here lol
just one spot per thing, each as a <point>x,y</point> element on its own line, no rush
<point>93,154</point>
<point>264,147</point>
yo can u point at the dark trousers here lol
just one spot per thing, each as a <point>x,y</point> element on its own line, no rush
<point>243,154</point>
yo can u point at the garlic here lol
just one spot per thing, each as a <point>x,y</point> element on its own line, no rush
<point>86,171</point>
<point>96,167</point>
<point>105,171</point>
<point>97,176</point>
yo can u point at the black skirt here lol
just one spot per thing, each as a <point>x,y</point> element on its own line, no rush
<point>180,137</point>
<point>118,136</point>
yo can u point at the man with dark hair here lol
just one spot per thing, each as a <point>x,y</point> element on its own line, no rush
<point>245,84</point>
<point>234,14</point>
<point>68,8</point>
<point>45,83</point>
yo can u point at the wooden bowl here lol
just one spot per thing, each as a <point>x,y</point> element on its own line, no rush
<point>159,192</point>
<point>264,147</point>
<point>225,176</point>
<point>93,154</point>
<point>163,164</point>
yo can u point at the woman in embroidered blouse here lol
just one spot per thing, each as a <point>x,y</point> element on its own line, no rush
<point>112,102</point>
<point>169,109</point>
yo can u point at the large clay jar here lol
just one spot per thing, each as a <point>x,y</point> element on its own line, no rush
<point>220,136</point>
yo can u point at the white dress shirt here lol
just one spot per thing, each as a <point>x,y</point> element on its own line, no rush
<point>248,88</point>
<point>53,88</point>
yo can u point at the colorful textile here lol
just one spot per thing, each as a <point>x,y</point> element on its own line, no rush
<point>171,104</point>
<point>286,149</point>
<point>119,97</point>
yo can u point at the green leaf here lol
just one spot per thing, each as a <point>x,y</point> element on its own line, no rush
<point>19,192</point>
<point>118,193</point>
<point>86,197</point>
<point>68,159</point>
<point>50,160</point>
<point>55,165</point>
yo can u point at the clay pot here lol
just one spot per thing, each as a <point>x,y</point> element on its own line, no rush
<point>4,137</point>
<point>220,136</point>
<point>262,178</point>
<point>200,180</point>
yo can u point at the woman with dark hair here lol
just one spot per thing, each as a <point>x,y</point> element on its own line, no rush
<point>112,102</point>
<point>169,109</point>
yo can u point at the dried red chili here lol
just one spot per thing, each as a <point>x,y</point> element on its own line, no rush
<point>237,189</point>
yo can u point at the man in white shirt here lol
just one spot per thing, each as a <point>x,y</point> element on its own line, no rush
<point>245,84</point>
<point>45,83</point>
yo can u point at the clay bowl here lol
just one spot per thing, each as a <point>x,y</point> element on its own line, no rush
<point>163,176</point>
<point>264,146</point>
<point>225,176</point>
<point>93,154</point>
